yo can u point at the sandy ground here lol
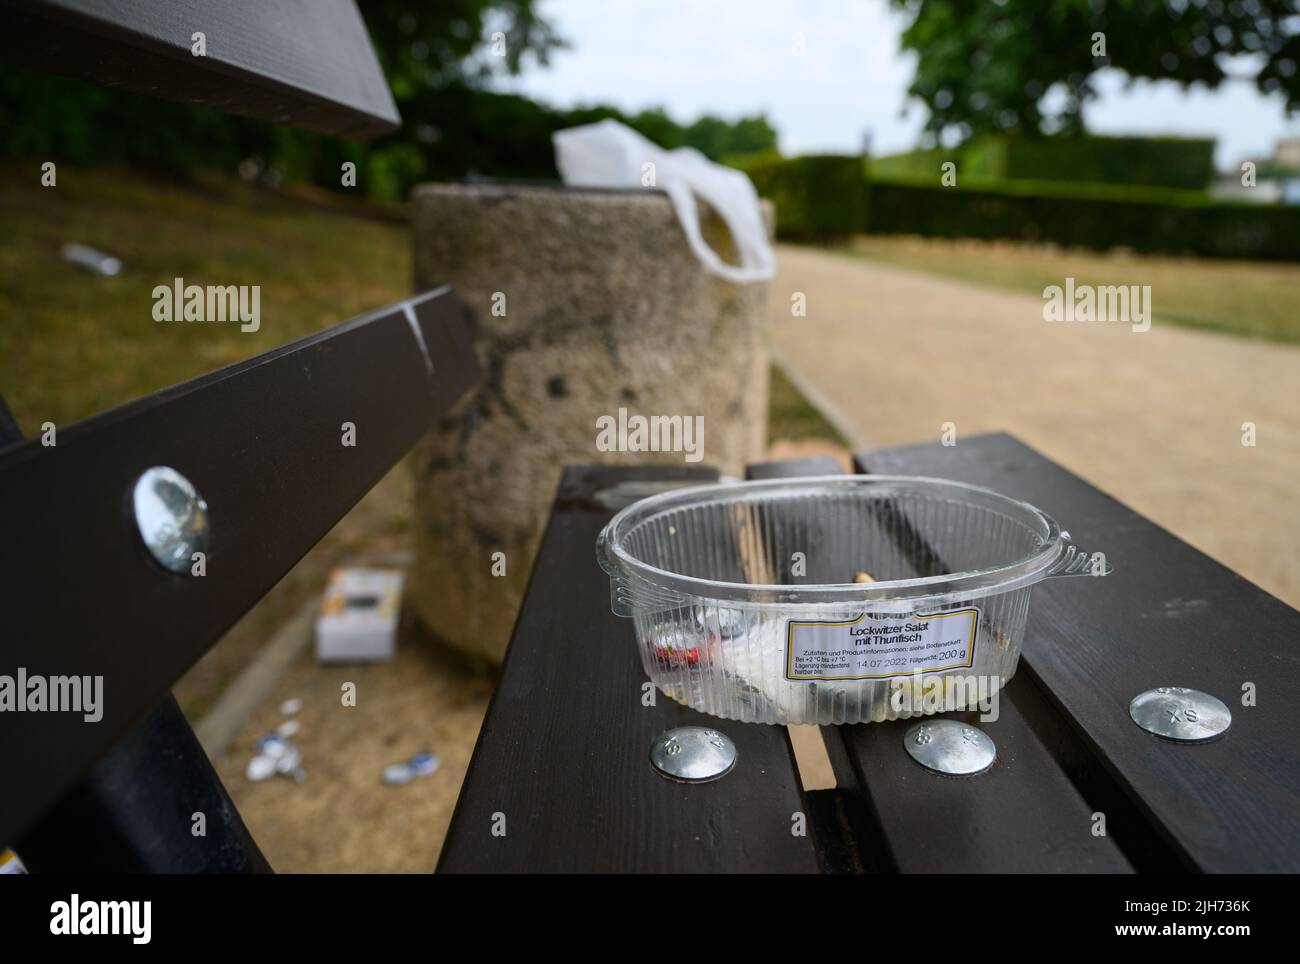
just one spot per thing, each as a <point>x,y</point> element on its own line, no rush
<point>343,818</point>
<point>1154,418</point>
<point>377,526</point>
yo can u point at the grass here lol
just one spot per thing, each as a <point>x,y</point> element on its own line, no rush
<point>790,416</point>
<point>1245,298</point>
<point>73,343</point>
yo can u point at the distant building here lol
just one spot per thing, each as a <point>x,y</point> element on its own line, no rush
<point>1287,153</point>
<point>1277,178</point>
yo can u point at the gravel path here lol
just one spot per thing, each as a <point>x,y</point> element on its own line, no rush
<point>1154,418</point>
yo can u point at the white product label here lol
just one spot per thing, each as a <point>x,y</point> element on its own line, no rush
<point>871,647</point>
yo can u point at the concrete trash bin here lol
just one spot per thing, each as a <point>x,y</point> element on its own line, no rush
<point>587,303</point>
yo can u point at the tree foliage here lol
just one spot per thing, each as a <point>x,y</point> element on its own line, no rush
<point>988,66</point>
<point>506,135</point>
<point>423,45</point>
<point>437,58</point>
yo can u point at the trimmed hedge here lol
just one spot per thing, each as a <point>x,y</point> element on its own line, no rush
<point>1169,162</point>
<point>918,164</point>
<point>828,196</point>
<point>1186,163</point>
<point>817,197</point>
<point>1186,226</point>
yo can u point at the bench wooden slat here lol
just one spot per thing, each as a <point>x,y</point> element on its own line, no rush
<point>303,62</point>
<point>1168,616</point>
<point>262,442</point>
<point>564,750</point>
<point>1022,815</point>
<point>794,468</point>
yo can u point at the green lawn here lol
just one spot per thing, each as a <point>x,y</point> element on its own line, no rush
<point>1252,299</point>
<point>73,343</point>
<point>790,416</point>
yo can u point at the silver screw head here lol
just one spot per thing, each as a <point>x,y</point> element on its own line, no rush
<point>693,754</point>
<point>950,747</point>
<point>1180,714</point>
<point>172,517</point>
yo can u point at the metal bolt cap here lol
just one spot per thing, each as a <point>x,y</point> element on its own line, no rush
<point>950,747</point>
<point>172,517</point>
<point>693,754</point>
<point>1180,714</point>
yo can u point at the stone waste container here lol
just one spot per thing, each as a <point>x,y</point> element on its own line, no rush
<point>587,303</point>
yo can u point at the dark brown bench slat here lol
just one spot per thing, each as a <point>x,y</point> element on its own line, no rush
<point>1022,815</point>
<point>564,749</point>
<point>261,441</point>
<point>1169,615</point>
<point>794,468</point>
<point>303,62</point>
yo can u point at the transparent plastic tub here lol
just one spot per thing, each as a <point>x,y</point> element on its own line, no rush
<point>745,604</point>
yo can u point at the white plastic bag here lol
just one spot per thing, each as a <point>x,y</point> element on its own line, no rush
<point>610,154</point>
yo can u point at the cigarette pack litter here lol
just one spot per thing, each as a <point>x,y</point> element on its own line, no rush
<point>358,620</point>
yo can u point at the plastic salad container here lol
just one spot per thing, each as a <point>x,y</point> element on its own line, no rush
<point>746,606</point>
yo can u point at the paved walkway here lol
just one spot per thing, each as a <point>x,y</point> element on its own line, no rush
<point>1154,418</point>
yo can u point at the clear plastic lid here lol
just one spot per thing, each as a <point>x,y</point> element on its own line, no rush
<point>925,542</point>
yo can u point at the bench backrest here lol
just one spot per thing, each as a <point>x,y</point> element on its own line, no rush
<point>260,440</point>
<point>302,62</point>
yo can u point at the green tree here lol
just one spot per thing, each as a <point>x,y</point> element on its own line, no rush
<point>986,66</point>
<point>714,137</point>
<point>424,48</point>
<point>655,124</point>
<point>422,44</point>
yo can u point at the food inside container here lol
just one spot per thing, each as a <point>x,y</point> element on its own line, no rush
<point>839,599</point>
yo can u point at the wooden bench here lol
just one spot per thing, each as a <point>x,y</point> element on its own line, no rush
<point>562,762</point>
<point>81,596</point>
<point>260,440</point>
<point>302,62</point>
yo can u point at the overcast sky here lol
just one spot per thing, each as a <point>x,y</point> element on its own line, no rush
<point>734,57</point>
